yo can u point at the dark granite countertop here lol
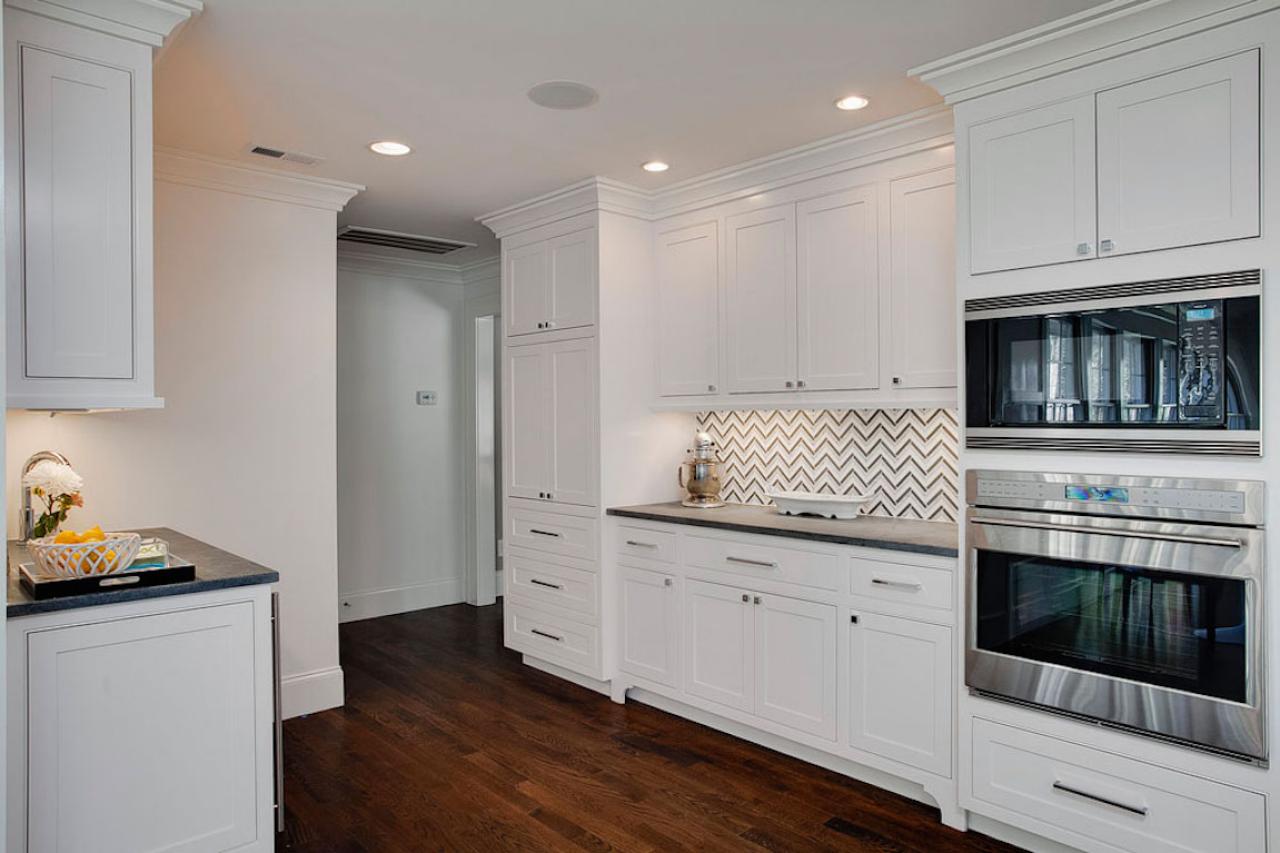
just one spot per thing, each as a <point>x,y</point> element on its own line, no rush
<point>895,534</point>
<point>215,569</point>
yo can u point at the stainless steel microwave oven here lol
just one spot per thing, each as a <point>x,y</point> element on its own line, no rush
<point>1167,366</point>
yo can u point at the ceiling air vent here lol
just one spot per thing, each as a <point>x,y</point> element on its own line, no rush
<point>287,156</point>
<point>397,240</point>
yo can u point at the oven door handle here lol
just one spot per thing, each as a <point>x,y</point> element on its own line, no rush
<point>1100,531</point>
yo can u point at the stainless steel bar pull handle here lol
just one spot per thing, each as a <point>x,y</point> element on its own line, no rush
<point>545,583</point>
<point>1103,531</point>
<point>636,544</point>
<point>749,562</point>
<point>899,584</point>
<point>545,634</point>
<point>544,532</point>
<point>1106,801</point>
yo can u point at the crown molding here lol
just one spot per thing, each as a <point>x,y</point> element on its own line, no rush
<point>1103,32</point>
<point>482,270</point>
<point>894,137</point>
<point>371,262</point>
<point>213,173</point>
<point>148,22</point>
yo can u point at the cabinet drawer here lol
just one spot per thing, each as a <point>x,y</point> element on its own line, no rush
<point>649,544</point>
<point>570,535</point>
<point>544,581</point>
<point>1100,801</point>
<point>553,638</point>
<point>910,585</point>
<point>807,568</point>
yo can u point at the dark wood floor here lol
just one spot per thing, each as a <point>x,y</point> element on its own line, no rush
<point>447,742</point>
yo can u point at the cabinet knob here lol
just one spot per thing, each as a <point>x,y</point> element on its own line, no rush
<point>790,383</point>
<point>799,383</point>
<point>1082,248</point>
<point>711,387</point>
<point>853,618</point>
<point>897,380</point>
<point>550,496</point>
<point>1106,245</point>
<point>757,599</point>
<point>745,598</point>
<point>667,582</point>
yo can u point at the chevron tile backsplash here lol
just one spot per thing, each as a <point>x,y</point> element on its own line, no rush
<point>906,458</point>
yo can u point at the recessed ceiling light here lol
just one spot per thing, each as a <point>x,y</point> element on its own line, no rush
<point>851,102</point>
<point>563,95</point>
<point>655,166</point>
<point>389,148</point>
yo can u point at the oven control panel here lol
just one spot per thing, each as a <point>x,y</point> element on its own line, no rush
<point>1093,496</point>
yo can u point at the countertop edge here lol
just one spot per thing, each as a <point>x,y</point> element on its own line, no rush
<point>765,530</point>
<point>56,605</point>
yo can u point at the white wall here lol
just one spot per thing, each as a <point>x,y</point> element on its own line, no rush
<point>401,497</point>
<point>244,453</point>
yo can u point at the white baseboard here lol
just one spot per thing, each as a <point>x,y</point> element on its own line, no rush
<point>567,675</point>
<point>354,606</point>
<point>309,692</point>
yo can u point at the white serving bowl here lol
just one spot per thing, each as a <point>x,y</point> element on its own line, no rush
<point>828,506</point>
<point>105,557</point>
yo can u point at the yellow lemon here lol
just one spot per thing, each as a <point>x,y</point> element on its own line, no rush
<point>67,537</point>
<point>93,534</point>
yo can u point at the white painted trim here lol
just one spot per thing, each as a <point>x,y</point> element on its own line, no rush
<point>481,270</point>
<point>1103,32</point>
<point>309,692</point>
<point>567,674</point>
<point>213,173</point>
<point>146,21</point>
<point>354,606</point>
<point>896,137</point>
<point>374,263</point>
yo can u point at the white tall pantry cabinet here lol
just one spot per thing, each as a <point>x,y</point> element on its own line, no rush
<point>78,202</point>
<point>578,431</point>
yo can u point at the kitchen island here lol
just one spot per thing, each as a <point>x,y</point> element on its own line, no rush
<point>143,718</point>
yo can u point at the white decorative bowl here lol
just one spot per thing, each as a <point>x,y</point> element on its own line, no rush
<point>108,556</point>
<point>828,506</point>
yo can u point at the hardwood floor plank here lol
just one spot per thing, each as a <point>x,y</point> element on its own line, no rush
<point>448,742</point>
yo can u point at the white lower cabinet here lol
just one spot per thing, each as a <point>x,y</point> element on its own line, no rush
<point>143,726</point>
<point>720,632</point>
<point>650,625</point>
<point>1099,801</point>
<point>900,690</point>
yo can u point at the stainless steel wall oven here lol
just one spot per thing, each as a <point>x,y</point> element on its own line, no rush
<point>1168,366</point>
<point>1133,601</point>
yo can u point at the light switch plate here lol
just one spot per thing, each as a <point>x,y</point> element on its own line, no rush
<point>426,398</point>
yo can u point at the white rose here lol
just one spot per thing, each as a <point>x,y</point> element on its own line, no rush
<point>53,478</point>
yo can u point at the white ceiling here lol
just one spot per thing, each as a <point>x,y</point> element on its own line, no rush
<point>702,84</point>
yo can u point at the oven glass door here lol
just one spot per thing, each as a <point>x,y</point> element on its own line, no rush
<point>1176,630</point>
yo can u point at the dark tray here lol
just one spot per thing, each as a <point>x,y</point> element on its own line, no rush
<point>42,588</point>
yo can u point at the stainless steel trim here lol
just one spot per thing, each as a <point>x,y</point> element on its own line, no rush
<point>1232,727</point>
<point>1128,534</point>
<point>749,562</point>
<point>545,634</point>
<point>1184,289</point>
<point>902,584</point>
<point>1254,492</point>
<point>547,584</point>
<point>1106,801</point>
<point>279,710</point>
<point>1103,440</point>
<point>636,544</point>
<point>545,532</point>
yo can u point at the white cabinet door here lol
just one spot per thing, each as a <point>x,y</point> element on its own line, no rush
<point>760,300</point>
<point>687,263</point>
<point>922,289</point>
<point>796,663</point>
<point>1178,158</point>
<point>650,630</point>
<point>147,734</point>
<point>77,217</point>
<point>572,291</point>
<point>1032,196</point>
<point>526,278</point>
<point>572,438</point>
<point>720,642</point>
<point>837,291</point>
<point>526,421</point>
<point>900,690</point>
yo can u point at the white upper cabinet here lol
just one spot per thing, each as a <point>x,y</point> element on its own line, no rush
<point>760,300</point>
<point>551,284</point>
<point>837,291</point>
<point>1032,193</point>
<point>79,217</point>
<point>1178,159</point>
<point>687,266</point>
<point>922,281</point>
